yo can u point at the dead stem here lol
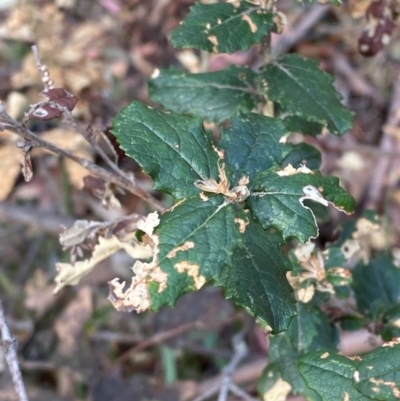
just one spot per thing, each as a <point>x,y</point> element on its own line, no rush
<point>8,345</point>
<point>9,123</point>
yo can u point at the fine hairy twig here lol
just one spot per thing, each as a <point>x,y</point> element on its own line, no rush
<point>117,176</point>
<point>7,122</point>
<point>8,345</point>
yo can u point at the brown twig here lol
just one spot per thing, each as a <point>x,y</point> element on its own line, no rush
<point>7,122</point>
<point>8,345</point>
<point>90,137</point>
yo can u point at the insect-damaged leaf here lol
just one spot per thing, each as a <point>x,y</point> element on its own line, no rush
<point>58,99</point>
<point>203,240</point>
<point>192,242</point>
<point>223,27</point>
<point>257,278</point>
<point>215,96</point>
<point>252,144</point>
<point>277,196</point>
<point>71,274</point>
<point>174,150</point>
<point>282,368</point>
<point>380,373</point>
<point>309,330</point>
<point>303,90</point>
<point>330,375</point>
<point>375,375</point>
<point>197,237</point>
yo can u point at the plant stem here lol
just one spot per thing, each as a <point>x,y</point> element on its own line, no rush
<point>9,347</point>
<point>7,122</point>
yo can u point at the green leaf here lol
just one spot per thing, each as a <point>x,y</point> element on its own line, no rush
<point>197,238</point>
<point>331,376</point>
<point>223,27</point>
<point>391,321</point>
<point>376,285</point>
<point>302,89</point>
<point>379,372</point>
<point>375,375</point>
<point>389,331</point>
<point>311,330</point>
<point>303,155</point>
<point>276,201</point>
<point>281,369</point>
<point>271,386</point>
<point>333,257</point>
<point>257,279</point>
<point>352,323</point>
<point>298,124</point>
<point>252,145</point>
<point>215,96</point>
<point>174,150</point>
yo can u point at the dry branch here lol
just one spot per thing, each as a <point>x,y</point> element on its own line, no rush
<point>8,345</point>
<point>33,140</point>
